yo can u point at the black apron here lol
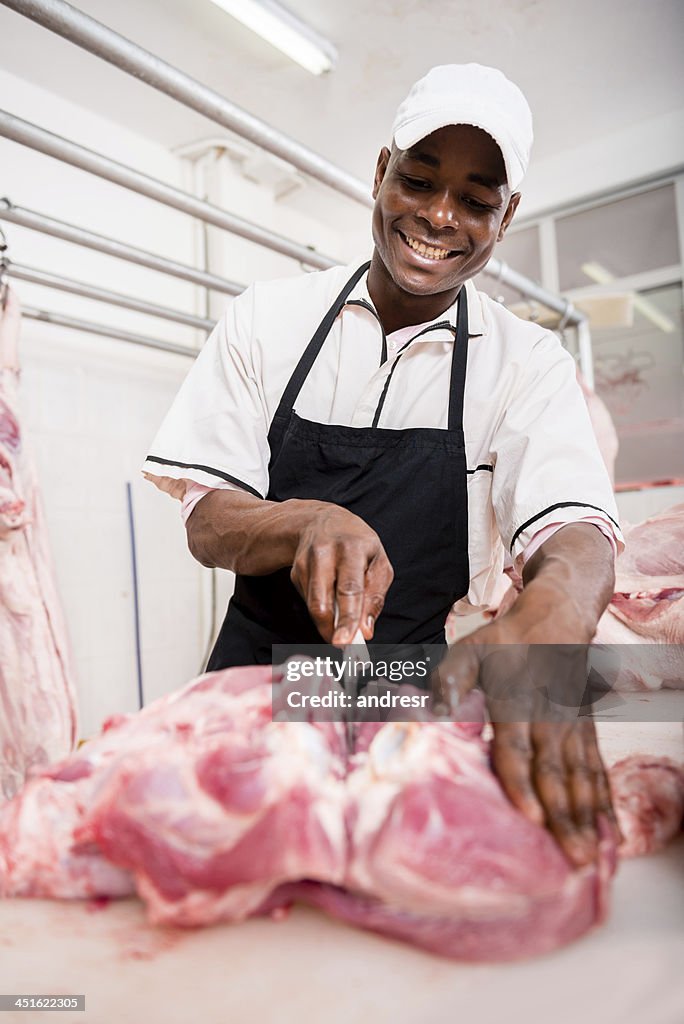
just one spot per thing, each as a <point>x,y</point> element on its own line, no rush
<point>409,485</point>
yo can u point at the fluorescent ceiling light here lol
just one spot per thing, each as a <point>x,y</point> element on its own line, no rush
<point>602,276</point>
<point>285,31</point>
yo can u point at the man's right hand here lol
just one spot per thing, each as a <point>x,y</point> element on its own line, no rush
<point>338,562</point>
<point>343,573</point>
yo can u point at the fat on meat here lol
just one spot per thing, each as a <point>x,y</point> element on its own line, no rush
<point>212,810</point>
<point>38,717</point>
<point>648,797</point>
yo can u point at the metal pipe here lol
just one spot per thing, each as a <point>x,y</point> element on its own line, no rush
<point>65,284</point>
<point>70,233</point>
<point>103,42</point>
<point>90,327</point>
<point>502,272</point>
<point>31,135</point>
<point>72,24</point>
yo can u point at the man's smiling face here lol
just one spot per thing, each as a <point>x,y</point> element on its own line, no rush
<point>440,208</point>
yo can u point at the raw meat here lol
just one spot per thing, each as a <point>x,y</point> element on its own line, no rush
<point>648,796</point>
<point>647,609</point>
<point>211,810</point>
<point>200,797</point>
<point>213,822</point>
<point>649,586</point>
<point>38,852</point>
<point>440,858</point>
<point>38,721</point>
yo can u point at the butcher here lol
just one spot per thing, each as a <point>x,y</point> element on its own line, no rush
<point>363,446</point>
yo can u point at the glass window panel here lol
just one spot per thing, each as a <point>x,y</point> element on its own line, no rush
<point>520,250</point>
<point>639,375</point>
<point>626,236</point>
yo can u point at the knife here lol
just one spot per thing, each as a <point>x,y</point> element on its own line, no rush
<point>354,653</point>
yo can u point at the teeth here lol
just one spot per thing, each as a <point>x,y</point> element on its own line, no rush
<point>430,251</point>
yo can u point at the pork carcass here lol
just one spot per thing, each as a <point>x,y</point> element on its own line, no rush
<point>214,811</point>
<point>38,722</point>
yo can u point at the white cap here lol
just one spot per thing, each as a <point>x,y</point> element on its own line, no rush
<point>469,94</point>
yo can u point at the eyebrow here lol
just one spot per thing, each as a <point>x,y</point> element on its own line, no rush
<point>423,158</point>
<point>482,179</point>
<point>433,161</point>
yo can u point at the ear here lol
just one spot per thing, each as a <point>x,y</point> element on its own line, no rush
<point>380,168</point>
<point>508,215</point>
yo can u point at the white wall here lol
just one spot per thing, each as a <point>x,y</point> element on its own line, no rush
<point>91,405</point>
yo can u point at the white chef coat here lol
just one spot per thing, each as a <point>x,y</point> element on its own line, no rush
<point>532,457</point>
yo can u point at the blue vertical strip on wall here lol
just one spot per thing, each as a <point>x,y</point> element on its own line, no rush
<point>136,605</point>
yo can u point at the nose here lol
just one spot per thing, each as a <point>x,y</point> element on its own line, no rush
<point>439,209</point>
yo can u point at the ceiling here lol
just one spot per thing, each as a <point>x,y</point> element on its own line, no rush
<point>587,68</point>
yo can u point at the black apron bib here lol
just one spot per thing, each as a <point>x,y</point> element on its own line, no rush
<point>409,485</point>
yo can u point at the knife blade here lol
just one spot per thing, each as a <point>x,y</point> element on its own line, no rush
<point>353,653</point>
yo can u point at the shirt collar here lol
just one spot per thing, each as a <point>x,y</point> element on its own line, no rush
<point>476,324</point>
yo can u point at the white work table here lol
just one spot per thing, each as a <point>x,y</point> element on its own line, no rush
<point>309,968</point>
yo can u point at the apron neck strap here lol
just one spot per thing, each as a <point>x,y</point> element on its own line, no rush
<point>458,363</point>
<point>303,367</point>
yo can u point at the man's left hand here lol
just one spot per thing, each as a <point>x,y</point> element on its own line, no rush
<point>531,664</point>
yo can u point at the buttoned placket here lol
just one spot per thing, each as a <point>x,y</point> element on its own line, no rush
<point>372,402</point>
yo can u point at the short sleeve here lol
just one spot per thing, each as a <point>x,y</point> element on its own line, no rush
<point>547,465</point>
<point>216,431</point>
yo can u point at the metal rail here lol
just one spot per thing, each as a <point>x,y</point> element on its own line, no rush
<point>502,272</point>
<point>103,42</point>
<point>70,233</point>
<point>77,27</point>
<point>31,135</point>
<point>90,327</point>
<point>65,284</point>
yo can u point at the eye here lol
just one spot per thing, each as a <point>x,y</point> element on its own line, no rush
<point>475,204</point>
<point>415,183</point>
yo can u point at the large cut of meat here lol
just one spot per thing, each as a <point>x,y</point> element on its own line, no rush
<point>212,810</point>
<point>206,804</point>
<point>37,700</point>
<point>439,856</point>
<point>647,608</point>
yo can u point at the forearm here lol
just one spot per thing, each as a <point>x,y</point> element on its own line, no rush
<point>234,530</point>
<point>568,583</point>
